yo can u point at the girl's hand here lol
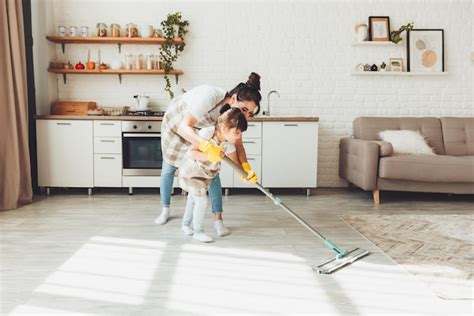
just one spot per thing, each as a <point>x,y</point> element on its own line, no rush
<point>214,153</point>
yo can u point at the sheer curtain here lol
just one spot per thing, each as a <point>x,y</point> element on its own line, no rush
<point>15,174</point>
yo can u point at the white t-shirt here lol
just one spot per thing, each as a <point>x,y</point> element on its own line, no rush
<point>208,132</point>
<point>203,98</point>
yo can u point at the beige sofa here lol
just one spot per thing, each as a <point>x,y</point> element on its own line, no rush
<point>370,165</point>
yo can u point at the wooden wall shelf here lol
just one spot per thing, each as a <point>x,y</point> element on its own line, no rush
<point>394,73</point>
<point>63,40</point>
<point>119,72</point>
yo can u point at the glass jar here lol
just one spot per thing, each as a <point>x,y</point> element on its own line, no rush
<point>138,61</point>
<point>131,30</point>
<point>129,61</point>
<point>101,30</point>
<point>115,30</point>
<point>150,61</point>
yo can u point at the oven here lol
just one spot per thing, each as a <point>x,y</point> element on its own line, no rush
<point>141,148</point>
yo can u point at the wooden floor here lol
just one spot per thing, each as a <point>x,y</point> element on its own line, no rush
<point>74,254</point>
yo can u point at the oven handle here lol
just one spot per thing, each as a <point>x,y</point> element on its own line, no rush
<point>142,135</point>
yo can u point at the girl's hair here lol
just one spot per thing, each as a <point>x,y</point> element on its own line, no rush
<point>233,118</point>
<point>248,91</point>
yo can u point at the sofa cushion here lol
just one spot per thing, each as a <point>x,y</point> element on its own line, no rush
<point>406,142</point>
<point>367,128</point>
<point>428,168</point>
<point>458,134</point>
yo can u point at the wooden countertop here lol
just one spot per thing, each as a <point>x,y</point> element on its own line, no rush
<point>156,118</point>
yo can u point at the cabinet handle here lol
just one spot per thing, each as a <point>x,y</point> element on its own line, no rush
<point>112,124</point>
<point>247,142</point>
<point>63,123</point>
<point>107,141</point>
<point>251,125</point>
<point>291,124</point>
<point>251,159</point>
<point>111,158</point>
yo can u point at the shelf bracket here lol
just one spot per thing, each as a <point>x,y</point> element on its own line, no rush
<point>64,78</point>
<point>120,78</point>
<point>119,45</point>
<point>176,77</point>
<point>63,47</point>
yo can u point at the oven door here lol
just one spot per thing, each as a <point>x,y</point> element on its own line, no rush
<point>142,154</point>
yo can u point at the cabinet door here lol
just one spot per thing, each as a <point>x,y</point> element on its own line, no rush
<point>107,170</point>
<point>256,164</point>
<point>290,154</point>
<point>227,175</point>
<point>65,153</point>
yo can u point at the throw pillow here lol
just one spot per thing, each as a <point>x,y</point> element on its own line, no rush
<point>407,142</point>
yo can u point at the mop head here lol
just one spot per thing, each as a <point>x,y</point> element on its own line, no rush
<point>341,261</point>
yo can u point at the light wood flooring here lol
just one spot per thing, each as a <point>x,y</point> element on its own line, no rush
<point>73,254</point>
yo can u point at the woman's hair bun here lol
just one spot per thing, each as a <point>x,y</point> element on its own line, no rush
<point>254,81</point>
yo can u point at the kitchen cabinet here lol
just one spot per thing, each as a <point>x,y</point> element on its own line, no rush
<point>284,154</point>
<point>108,170</point>
<point>108,154</point>
<point>289,154</point>
<point>65,153</point>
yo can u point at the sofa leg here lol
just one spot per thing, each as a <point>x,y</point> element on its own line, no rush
<point>376,195</point>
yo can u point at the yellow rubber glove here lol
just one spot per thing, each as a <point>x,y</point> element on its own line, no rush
<point>213,152</point>
<point>251,175</point>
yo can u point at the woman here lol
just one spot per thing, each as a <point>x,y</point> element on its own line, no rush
<point>197,108</point>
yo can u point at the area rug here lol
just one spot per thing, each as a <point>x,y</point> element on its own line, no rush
<point>439,249</point>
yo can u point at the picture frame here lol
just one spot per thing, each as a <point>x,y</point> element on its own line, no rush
<point>425,50</point>
<point>396,64</point>
<point>379,28</point>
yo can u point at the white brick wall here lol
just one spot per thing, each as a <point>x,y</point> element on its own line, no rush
<point>300,48</point>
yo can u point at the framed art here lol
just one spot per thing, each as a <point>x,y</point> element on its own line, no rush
<point>396,64</point>
<point>425,50</point>
<point>379,28</point>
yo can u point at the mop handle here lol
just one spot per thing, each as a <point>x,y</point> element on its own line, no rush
<point>275,199</point>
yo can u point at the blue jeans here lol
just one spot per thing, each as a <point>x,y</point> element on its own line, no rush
<point>166,187</point>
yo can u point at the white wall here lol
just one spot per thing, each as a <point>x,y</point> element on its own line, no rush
<point>42,21</point>
<point>300,48</point>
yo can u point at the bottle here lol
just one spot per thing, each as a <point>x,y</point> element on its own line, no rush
<point>138,61</point>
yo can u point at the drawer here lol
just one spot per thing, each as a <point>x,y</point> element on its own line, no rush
<point>254,130</point>
<point>108,171</point>
<point>108,128</point>
<point>107,145</point>
<point>256,164</point>
<point>252,146</point>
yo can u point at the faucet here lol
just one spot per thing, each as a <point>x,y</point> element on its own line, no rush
<point>267,113</point>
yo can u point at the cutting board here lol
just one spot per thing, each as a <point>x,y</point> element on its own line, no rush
<point>72,107</point>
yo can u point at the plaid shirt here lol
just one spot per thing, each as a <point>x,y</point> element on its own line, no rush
<point>173,146</point>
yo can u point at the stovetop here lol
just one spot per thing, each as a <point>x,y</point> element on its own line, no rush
<point>146,113</point>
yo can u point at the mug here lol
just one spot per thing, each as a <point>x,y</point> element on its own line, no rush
<point>146,30</point>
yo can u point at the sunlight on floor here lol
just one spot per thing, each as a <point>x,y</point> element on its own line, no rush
<point>106,269</point>
<point>213,280</point>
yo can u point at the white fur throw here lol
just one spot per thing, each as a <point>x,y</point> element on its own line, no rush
<point>406,142</point>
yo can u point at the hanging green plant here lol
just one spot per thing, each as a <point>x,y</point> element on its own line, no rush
<point>172,27</point>
<point>395,35</point>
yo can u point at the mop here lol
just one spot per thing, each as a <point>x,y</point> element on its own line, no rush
<point>342,258</point>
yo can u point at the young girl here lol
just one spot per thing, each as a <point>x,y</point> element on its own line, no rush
<point>198,169</point>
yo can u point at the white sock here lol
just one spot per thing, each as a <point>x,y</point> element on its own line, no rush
<point>187,230</point>
<point>163,218</point>
<point>202,237</point>
<point>220,228</point>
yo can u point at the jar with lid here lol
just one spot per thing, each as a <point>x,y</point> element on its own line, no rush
<point>150,61</point>
<point>131,30</point>
<point>138,61</point>
<point>115,30</point>
<point>101,30</point>
<point>129,61</point>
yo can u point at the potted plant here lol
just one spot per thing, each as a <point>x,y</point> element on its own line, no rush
<point>173,26</point>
